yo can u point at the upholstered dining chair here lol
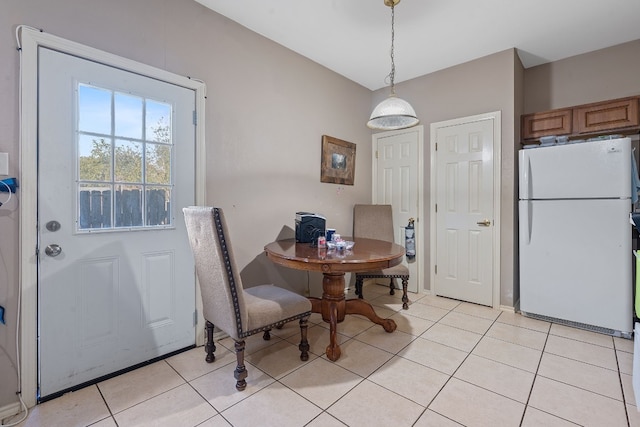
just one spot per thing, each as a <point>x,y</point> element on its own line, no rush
<point>376,222</point>
<point>237,311</point>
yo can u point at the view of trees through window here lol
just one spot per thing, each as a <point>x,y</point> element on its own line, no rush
<point>124,160</point>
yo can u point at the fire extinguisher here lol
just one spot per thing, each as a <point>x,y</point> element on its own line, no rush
<point>410,240</point>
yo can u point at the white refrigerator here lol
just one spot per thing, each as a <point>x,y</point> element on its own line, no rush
<point>575,235</point>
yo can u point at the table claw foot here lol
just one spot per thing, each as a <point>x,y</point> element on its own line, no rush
<point>389,325</point>
<point>362,307</point>
<point>333,353</point>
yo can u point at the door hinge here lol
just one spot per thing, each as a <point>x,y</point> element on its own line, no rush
<point>436,146</point>
<point>436,207</point>
<point>436,269</point>
<point>195,318</point>
<point>376,154</point>
<point>195,118</point>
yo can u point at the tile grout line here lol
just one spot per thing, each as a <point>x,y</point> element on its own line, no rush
<point>624,398</point>
<point>461,363</point>
<point>484,334</point>
<point>453,373</point>
<point>366,378</point>
<point>535,375</point>
<point>198,393</point>
<point>538,375</point>
<point>111,415</point>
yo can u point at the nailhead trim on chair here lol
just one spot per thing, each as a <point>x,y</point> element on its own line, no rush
<point>382,276</point>
<point>234,289</point>
<point>405,278</point>
<point>273,325</point>
<point>227,264</point>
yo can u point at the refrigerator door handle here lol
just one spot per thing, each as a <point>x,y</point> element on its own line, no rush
<point>525,222</point>
<point>525,175</point>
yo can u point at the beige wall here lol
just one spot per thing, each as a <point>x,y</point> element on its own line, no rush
<point>592,77</point>
<point>518,72</point>
<point>266,111</point>
<point>481,86</point>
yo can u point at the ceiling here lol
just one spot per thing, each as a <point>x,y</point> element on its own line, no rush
<point>353,37</point>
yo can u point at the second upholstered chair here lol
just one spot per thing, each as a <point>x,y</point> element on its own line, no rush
<point>376,222</point>
<point>237,311</point>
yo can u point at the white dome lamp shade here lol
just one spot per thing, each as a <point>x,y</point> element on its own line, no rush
<point>392,113</point>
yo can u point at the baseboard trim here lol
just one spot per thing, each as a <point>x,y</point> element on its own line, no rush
<point>10,410</point>
<point>507,308</point>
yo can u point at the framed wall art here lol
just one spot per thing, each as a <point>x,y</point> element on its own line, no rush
<point>338,165</point>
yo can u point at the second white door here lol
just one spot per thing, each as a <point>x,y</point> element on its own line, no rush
<point>465,214</point>
<point>397,178</point>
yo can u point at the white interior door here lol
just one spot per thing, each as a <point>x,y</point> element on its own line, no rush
<point>116,283</point>
<point>465,213</point>
<point>397,182</point>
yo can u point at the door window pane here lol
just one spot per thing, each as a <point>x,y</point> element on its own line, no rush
<point>94,109</point>
<point>128,115</point>
<point>94,206</point>
<point>158,203</point>
<point>128,162</point>
<point>125,154</point>
<point>94,158</point>
<point>158,164</point>
<point>128,205</point>
<point>158,122</point>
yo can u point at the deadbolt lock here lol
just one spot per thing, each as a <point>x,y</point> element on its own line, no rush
<point>53,226</point>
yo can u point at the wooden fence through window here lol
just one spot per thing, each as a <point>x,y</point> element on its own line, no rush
<point>95,208</point>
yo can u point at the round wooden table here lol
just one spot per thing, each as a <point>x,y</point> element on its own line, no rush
<point>366,255</point>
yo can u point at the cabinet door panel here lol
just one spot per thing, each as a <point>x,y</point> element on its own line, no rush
<point>602,116</point>
<point>556,122</point>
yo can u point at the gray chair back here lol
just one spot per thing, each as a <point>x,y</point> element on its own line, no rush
<point>373,222</point>
<point>220,284</point>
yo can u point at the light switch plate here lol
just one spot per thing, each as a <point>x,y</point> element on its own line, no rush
<point>4,163</point>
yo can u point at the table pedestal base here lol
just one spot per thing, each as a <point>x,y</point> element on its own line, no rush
<point>333,306</point>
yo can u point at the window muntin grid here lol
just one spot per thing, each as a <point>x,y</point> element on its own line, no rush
<point>125,159</point>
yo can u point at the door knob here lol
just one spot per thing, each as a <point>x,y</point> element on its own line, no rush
<point>53,250</point>
<point>484,223</point>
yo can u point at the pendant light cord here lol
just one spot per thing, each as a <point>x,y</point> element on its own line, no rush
<point>392,74</point>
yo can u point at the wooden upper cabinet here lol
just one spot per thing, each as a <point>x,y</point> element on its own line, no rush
<point>583,121</point>
<point>611,115</point>
<point>555,122</point>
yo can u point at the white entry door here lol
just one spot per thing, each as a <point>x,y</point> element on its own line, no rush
<point>116,284</point>
<point>465,209</point>
<point>397,182</point>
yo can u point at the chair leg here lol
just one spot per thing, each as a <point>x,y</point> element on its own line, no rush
<point>241,372</point>
<point>210,346</point>
<point>392,288</point>
<point>267,335</point>
<point>405,299</point>
<point>304,344</point>
<point>359,286</point>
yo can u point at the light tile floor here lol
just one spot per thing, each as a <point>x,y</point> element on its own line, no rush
<point>449,363</point>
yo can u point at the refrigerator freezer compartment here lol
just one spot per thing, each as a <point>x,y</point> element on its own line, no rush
<point>600,169</point>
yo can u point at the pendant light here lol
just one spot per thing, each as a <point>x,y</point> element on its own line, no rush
<point>392,113</point>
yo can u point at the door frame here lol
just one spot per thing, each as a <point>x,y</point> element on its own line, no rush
<point>496,116</point>
<point>420,239</point>
<point>30,40</point>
